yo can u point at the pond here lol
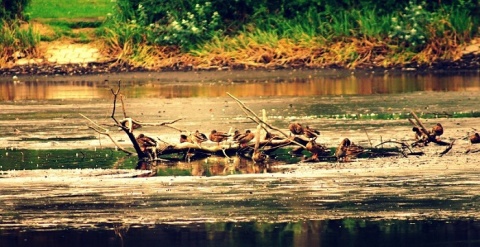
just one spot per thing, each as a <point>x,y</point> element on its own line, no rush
<point>306,233</point>
<point>61,181</point>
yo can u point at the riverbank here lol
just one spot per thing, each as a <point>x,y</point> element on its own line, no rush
<point>67,58</point>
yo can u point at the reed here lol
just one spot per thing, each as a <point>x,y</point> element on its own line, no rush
<point>16,39</point>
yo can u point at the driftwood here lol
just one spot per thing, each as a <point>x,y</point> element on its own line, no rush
<point>150,149</point>
<point>423,135</point>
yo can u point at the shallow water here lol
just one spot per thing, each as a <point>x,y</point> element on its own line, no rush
<point>240,84</point>
<point>348,232</point>
<point>72,195</point>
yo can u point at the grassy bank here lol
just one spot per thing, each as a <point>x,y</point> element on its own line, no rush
<point>205,35</point>
<point>75,9</point>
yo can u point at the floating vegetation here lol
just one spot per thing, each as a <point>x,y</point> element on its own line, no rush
<point>399,116</point>
<point>24,159</point>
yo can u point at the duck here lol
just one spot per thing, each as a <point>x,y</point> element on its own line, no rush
<point>296,128</point>
<point>145,142</point>
<point>418,134</point>
<point>311,133</point>
<point>341,151</point>
<point>185,138</point>
<point>354,150</point>
<point>437,130</point>
<point>245,138</point>
<point>348,149</point>
<point>315,149</point>
<point>236,134</point>
<point>217,136</point>
<point>198,137</point>
<point>475,138</point>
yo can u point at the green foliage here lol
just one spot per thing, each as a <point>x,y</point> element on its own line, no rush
<point>178,28</point>
<point>12,9</point>
<point>190,23</point>
<point>188,29</point>
<point>409,28</point>
<point>46,9</point>
<point>14,38</point>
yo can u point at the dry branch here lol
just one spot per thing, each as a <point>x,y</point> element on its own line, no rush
<point>102,131</point>
<point>258,120</point>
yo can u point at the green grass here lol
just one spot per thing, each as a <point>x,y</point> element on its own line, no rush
<point>73,9</point>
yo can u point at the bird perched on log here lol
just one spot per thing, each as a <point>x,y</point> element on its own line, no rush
<point>419,135</point>
<point>130,124</point>
<point>437,130</point>
<point>354,150</point>
<point>311,133</point>
<point>185,138</point>
<point>348,149</point>
<point>296,128</point>
<point>145,142</point>
<point>475,138</point>
<point>316,149</point>
<point>236,134</point>
<point>217,136</point>
<point>198,137</point>
<point>245,138</point>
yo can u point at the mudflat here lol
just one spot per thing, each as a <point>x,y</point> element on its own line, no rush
<point>429,186</point>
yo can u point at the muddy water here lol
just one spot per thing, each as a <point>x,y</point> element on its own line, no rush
<point>90,193</point>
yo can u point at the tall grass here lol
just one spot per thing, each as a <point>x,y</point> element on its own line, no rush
<point>320,36</point>
<point>16,39</point>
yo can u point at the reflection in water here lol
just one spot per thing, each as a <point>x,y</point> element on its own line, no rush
<point>212,166</point>
<point>309,86</point>
<point>346,232</point>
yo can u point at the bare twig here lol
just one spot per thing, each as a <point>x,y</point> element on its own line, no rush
<point>447,149</point>
<point>369,140</point>
<point>103,131</point>
<point>420,124</point>
<point>259,120</point>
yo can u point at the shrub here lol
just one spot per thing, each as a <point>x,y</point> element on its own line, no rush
<point>13,9</point>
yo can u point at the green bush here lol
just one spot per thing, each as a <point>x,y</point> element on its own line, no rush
<point>191,23</point>
<point>13,9</point>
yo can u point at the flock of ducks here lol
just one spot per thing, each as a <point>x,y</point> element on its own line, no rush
<point>345,150</point>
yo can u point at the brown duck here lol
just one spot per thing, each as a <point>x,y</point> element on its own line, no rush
<point>437,130</point>
<point>296,128</point>
<point>144,142</point>
<point>348,149</point>
<point>354,150</point>
<point>185,138</point>
<point>418,134</point>
<point>236,134</point>
<point>475,138</point>
<point>315,149</point>
<point>341,151</point>
<point>245,138</point>
<point>217,136</point>
<point>198,137</point>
